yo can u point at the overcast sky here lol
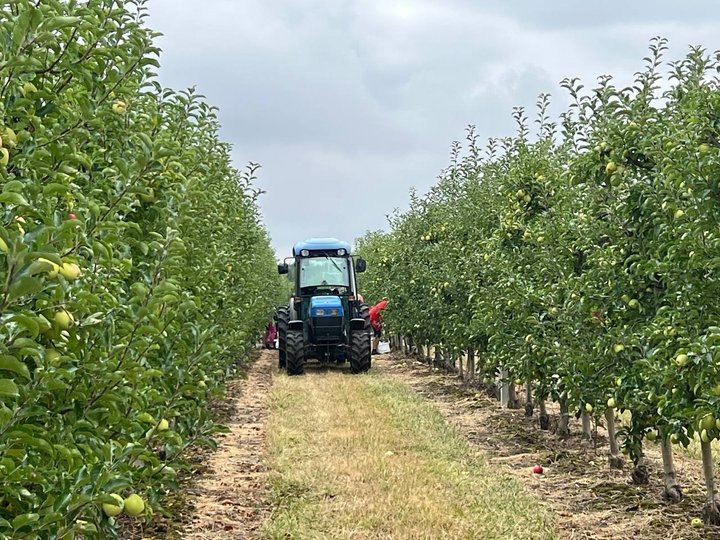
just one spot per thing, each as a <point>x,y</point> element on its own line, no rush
<point>347,104</point>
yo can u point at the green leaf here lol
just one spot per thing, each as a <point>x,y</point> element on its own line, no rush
<point>24,519</point>
<point>10,363</point>
<point>27,322</point>
<point>54,188</point>
<point>54,23</point>
<point>14,185</point>
<point>11,197</point>
<point>24,286</point>
<point>8,388</point>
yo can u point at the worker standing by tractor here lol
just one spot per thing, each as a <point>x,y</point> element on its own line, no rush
<point>376,323</point>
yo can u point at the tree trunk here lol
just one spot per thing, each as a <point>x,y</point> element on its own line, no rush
<point>563,429</point>
<point>711,512</point>
<point>640,474</point>
<point>514,401</point>
<point>470,365</point>
<point>437,360</point>
<point>672,491</point>
<point>615,459</point>
<point>544,417</point>
<point>461,366</point>
<point>586,427</point>
<point>528,398</point>
<point>504,388</point>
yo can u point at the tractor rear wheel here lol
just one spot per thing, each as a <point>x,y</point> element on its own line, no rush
<point>295,353</point>
<point>359,352</point>
<point>283,318</point>
<point>365,314</point>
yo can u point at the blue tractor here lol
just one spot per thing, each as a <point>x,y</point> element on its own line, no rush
<point>325,319</point>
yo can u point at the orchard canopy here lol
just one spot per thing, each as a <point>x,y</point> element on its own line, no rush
<point>134,271</point>
<point>582,254</point>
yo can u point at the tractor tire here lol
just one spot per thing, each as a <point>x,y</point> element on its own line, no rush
<point>360,358</point>
<point>283,318</point>
<point>295,353</point>
<point>364,313</point>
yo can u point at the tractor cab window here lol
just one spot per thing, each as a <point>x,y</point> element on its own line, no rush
<point>321,272</point>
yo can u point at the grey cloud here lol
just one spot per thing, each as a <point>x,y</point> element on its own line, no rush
<point>349,103</point>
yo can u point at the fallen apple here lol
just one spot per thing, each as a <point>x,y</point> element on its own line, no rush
<point>537,469</point>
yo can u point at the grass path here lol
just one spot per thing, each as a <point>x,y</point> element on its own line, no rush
<point>363,457</point>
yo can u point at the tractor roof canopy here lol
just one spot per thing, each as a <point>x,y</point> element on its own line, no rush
<point>320,244</point>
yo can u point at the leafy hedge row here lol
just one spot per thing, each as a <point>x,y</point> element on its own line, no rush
<point>584,256</point>
<point>134,271</point>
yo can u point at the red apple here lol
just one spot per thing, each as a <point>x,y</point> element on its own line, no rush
<point>71,215</point>
<point>537,469</point>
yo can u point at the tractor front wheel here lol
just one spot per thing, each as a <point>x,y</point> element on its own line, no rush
<point>295,353</point>
<point>359,352</point>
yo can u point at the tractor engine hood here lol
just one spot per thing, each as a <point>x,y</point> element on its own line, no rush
<point>326,306</point>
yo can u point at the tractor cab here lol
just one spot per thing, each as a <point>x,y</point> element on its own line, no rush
<point>324,309</point>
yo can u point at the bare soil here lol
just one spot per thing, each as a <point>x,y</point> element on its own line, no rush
<point>229,498</point>
<point>590,500</point>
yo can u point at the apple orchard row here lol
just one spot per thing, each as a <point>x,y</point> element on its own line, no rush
<point>580,260</point>
<point>134,271</point>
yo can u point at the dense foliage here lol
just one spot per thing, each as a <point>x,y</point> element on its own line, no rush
<point>134,272</point>
<point>583,256</point>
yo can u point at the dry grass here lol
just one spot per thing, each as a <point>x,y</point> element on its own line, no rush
<point>361,457</point>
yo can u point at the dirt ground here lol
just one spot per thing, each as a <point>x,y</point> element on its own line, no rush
<point>229,499</point>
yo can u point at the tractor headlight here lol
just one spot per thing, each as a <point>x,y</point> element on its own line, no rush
<point>305,253</point>
<point>333,313</point>
<point>341,252</point>
<point>319,312</point>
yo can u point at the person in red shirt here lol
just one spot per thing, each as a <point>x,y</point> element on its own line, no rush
<point>376,323</point>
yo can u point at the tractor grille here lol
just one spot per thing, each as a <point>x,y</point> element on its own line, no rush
<point>328,328</point>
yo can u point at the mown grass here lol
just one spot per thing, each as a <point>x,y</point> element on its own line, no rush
<point>360,457</point>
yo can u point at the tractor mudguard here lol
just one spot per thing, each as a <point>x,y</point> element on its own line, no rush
<point>358,324</point>
<point>295,325</point>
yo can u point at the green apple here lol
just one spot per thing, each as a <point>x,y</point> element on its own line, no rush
<point>70,271</point>
<point>134,505</point>
<point>113,510</point>
<point>707,422</point>
<point>119,107</point>
<point>63,319</point>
